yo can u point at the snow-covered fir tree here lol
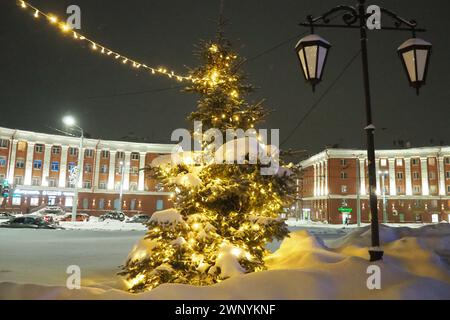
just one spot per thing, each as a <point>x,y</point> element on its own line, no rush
<point>224,214</point>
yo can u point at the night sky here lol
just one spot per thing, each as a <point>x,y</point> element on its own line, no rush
<point>44,75</point>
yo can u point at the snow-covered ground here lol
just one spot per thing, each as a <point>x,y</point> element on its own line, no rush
<point>107,225</point>
<point>416,265</point>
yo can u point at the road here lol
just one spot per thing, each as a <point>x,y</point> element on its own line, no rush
<point>42,256</point>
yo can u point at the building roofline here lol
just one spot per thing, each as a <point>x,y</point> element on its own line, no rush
<point>57,139</point>
<point>390,153</point>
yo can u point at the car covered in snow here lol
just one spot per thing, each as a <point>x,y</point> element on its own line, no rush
<point>5,216</point>
<point>32,222</point>
<point>54,210</point>
<point>80,217</point>
<point>113,215</point>
<point>139,218</point>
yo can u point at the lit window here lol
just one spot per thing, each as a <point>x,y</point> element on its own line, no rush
<point>37,164</point>
<point>71,165</point>
<point>34,201</point>
<point>2,161</point>
<point>69,201</point>
<point>343,189</point>
<point>399,162</point>
<point>21,146</point>
<point>101,204</point>
<point>383,162</point>
<point>159,204</point>
<point>55,166</point>
<point>16,200</point>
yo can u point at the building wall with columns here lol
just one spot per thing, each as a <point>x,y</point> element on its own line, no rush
<point>38,166</point>
<point>416,185</point>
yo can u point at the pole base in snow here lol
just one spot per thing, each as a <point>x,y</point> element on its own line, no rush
<point>376,255</point>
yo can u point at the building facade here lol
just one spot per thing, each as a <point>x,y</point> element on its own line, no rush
<point>39,167</point>
<point>413,185</point>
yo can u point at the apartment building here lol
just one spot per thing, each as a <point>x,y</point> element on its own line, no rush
<point>39,168</point>
<point>413,185</point>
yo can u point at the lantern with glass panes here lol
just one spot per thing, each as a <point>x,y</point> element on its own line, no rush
<point>312,51</point>
<point>415,55</point>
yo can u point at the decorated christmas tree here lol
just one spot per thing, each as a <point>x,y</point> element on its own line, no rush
<point>225,213</point>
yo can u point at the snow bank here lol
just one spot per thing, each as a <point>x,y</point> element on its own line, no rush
<point>415,266</point>
<point>107,225</point>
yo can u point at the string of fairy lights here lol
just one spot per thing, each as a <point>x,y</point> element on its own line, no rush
<point>101,49</point>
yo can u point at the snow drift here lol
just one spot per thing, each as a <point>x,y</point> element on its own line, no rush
<point>415,266</point>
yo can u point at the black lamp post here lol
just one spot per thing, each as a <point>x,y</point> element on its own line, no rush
<point>312,52</point>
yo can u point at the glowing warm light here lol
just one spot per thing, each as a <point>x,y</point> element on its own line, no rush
<point>138,279</point>
<point>64,27</point>
<point>53,19</point>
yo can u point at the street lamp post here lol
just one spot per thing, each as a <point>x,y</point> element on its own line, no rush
<point>383,175</point>
<point>122,173</point>
<point>312,52</point>
<point>358,193</point>
<point>70,122</point>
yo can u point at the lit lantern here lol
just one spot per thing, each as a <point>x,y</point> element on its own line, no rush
<point>415,55</point>
<point>312,52</point>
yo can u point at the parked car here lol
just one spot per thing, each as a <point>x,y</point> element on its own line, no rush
<point>5,216</point>
<point>139,218</point>
<point>113,215</point>
<point>81,217</point>
<point>55,210</point>
<point>33,222</point>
